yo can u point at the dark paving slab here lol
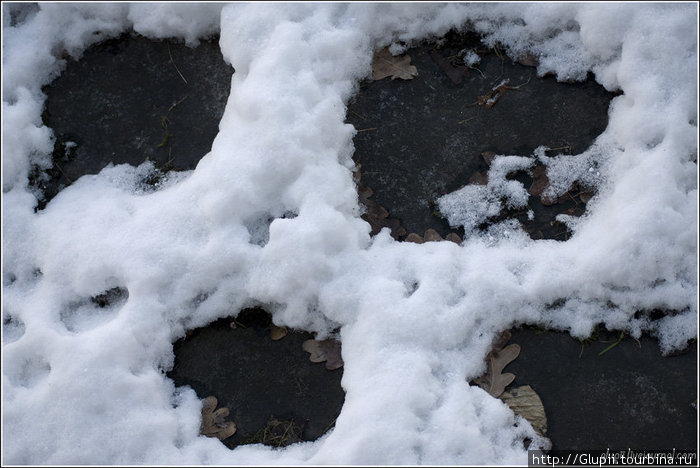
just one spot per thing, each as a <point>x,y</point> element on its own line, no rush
<point>420,139</point>
<point>258,378</point>
<point>628,397</point>
<point>131,99</point>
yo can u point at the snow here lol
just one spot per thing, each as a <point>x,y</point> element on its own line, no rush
<point>272,217</point>
<point>474,204</point>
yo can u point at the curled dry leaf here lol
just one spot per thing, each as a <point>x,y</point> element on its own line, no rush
<point>277,333</point>
<point>214,423</point>
<point>454,73</point>
<point>384,64</point>
<point>325,350</point>
<point>525,402</point>
<point>489,99</point>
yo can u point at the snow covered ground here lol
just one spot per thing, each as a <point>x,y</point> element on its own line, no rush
<point>81,385</point>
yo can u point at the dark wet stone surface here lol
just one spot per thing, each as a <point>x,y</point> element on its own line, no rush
<point>131,99</point>
<point>420,139</point>
<point>258,378</point>
<point>629,397</point>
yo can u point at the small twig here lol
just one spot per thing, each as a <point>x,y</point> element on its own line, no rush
<point>357,114</point>
<point>521,84</point>
<point>466,120</point>
<point>567,148</point>
<point>331,424</point>
<point>622,335</point>
<point>175,104</point>
<point>64,174</point>
<point>480,72</point>
<point>173,62</point>
<point>367,129</point>
<point>498,53</point>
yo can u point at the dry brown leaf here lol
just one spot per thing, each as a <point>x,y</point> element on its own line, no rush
<point>494,381</point>
<point>539,186</point>
<point>431,235</point>
<point>529,60</point>
<point>455,73</point>
<point>325,350</point>
<point>415,238</point>
<point>454,238</point>
<point>377,216</point>
<point>490,99</point>
<point>384,64</point>
<point>525,402</point>
<point>479,178</point>
<point>277,333</point>
<point>214,423</point>
<point>488,156</point>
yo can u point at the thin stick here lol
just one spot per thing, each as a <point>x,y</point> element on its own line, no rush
<point>64,174</point>
<point>176,69</point>
<point>521,84</point>
<point>482,73</point>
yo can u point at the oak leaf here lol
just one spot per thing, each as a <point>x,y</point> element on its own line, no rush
<point>384,64</point>
<point>494,381</point>
<point>454,238</point>
<point>214,423</point>
<point>525,402</point>
<point>325,350</point>
<point>415,238</point>
<point>277,333</point>
<point>431,235</point>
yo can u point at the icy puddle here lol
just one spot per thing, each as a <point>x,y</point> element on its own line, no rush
<point>422,137</point>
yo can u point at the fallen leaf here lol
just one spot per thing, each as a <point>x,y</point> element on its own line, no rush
<point>539,185</point>
<point>325,350</point>
<point>488,156</point>
<point>377,216</point>
<point>415,238</point>
<point>494,381</point>
<point>456,74</point>
<point>525,402</point>
<point>431,235</point>
<point>384,64</point>
<point>277,333</point>
<point>478,178</point>
<point>529,60</point>
<point>214,423</point>
<point>454,238</point>
<point>489,99</point>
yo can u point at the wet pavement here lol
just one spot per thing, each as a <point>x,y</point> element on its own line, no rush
<point>131,99</point>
